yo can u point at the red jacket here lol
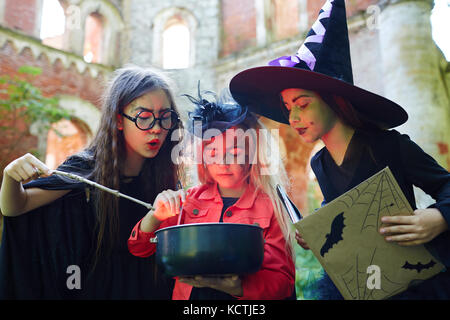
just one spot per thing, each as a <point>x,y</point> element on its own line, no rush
<point>275,279</point>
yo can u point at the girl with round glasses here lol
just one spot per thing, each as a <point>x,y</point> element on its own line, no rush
<point>146,119</point>
<point>52,223</point>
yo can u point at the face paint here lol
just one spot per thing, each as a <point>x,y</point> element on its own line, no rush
<point>309,115</point>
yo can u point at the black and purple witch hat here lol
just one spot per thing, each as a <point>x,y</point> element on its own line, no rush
<point>322,64</point>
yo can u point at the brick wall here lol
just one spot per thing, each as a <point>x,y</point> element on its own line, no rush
<point>54,80</point>
<point>239,25</point>
<point>20,15</point>
<point>282,20</point>
<point>285,15</point>
<point>352,7</point>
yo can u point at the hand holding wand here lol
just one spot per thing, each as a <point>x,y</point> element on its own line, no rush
<point>99,186</point>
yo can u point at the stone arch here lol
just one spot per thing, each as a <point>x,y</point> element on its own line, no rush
<point>85,119</point>
<point>82,110</point>
<point>64,138</point>
<point>160,23</point>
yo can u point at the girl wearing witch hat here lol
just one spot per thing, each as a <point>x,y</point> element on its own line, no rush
<point>313,92</point>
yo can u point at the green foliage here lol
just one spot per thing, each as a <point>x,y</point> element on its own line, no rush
<point>21,103</point>
<point>309,270</point>
<point>25,101</point>
<point>34,71</point>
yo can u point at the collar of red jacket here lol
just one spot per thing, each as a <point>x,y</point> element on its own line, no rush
<point>246,201</point>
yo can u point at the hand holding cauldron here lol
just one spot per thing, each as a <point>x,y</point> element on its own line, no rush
<point>230,284</point>
<point>168,204</point>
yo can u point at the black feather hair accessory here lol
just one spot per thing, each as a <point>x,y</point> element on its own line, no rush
<point>220,114</point>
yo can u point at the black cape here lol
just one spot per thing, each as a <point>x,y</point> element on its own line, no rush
<point>42,249</point>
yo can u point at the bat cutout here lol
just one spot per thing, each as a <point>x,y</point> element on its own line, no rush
<point>335,235</point>
<point>419,266</point>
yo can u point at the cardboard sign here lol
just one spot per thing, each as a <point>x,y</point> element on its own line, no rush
<point>344,236</point>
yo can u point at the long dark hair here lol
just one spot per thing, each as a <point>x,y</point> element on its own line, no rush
<point>345,111</point>
<point>108,150</point>
<point>350,116</point>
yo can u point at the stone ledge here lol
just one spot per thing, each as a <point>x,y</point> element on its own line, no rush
<point>20,42</point>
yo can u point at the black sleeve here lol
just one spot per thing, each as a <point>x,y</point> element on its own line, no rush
<point>425,173</point>
<point>80,164</point>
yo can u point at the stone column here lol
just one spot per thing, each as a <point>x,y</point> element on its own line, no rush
<point>412,74</point>
<point>38,18</point>
<point>412,77</point>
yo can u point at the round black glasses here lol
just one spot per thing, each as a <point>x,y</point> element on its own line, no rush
<point>146,120</point>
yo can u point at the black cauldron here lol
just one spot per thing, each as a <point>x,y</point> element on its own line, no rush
<point>209,249</point>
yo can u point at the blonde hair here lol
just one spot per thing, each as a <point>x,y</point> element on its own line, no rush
<point>267,154</point>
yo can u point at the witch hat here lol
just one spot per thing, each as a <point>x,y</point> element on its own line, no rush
<point>322,64</point>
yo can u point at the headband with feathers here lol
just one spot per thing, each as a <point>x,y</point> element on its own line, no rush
<point>220,114</point>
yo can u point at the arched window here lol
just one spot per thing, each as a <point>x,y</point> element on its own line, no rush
<point>64,139</point>
<point>67,137</point>
<point>176,45</point>
<point>93,35</point>
<point>53,23</point>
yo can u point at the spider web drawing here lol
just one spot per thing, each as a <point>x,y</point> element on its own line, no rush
<point>377,196</point>
<point>355,282</point>
<point>363,246</point>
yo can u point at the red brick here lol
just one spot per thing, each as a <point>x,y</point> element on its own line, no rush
<point>20,15</point>
<point>54,80</point>
<point>239,25</point>
<point>352,7</point>
<point>286,17</point>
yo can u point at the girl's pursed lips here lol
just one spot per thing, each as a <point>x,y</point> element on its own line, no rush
<point>301,130</point>
<point>153,144</point>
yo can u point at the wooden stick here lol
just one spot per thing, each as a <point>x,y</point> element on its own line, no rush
<point>99,186</point>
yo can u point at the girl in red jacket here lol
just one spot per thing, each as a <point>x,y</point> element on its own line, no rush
<point>238,180</point>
